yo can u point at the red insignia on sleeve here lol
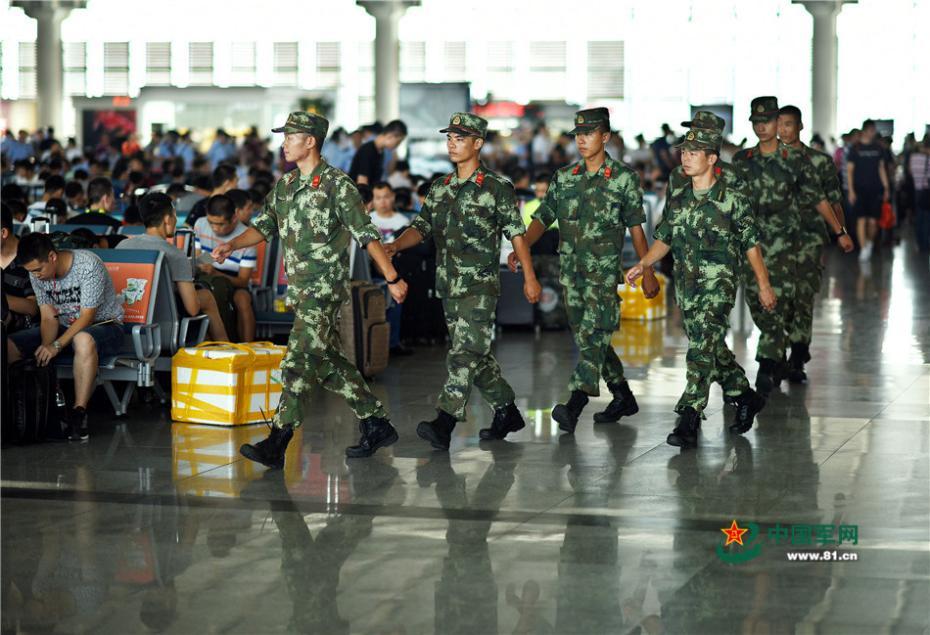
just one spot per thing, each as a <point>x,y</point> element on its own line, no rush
<point>607,172</point>
<point>479,180</point>
<point>448,179</point>
<point>316,181</point>
<point>577,169</point>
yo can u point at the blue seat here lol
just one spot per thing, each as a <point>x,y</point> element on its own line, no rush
<point>100,230</point>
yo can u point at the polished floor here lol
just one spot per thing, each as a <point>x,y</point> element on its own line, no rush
<point>160,527</point>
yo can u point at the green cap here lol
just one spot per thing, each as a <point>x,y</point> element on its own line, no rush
<point>701,139</point>
<point>591,119</point>
<point>705,120</point>
<point>467,124</point>
<point>306,122</point>
<point>763,109</point>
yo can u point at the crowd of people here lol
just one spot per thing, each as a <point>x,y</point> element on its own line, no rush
<point>55,292</point>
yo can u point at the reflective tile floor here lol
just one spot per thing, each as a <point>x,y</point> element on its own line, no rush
<point>154,527</point>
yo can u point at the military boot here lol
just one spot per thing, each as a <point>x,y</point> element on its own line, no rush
<point>622,405</point>
<point>748,405</point>
<point>768,376</point>
<point>567,414</point>
<point>800,355</point>
<point>685,434</point>
<point>506,420</point>
<point>269,452</point>
<point>438,431</point>
<point>376,433</point>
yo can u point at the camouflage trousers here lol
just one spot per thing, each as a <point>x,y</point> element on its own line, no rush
<point>470,362</point>
<point>799,321</point>
<point>594,316</point>
<point>782,266</point>
<point>709,359</point>
<point>314,357</point>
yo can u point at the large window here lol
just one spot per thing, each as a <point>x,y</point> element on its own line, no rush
<point>242,63</point>
<point>27,70</point>
<point>115,68</point>
<point>328,64</point>
<point>285,63</point>
<point>412,61</point>
<point>201,63</point>
<point>454,62</point>
<point>500,79</point>
<point>75,68</point>
<point>158,63</point>
<point>605,70</point>
<point>547,70</point>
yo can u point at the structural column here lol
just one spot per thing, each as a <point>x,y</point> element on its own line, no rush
<point>387,14</point>
<point>824,63</point>
<point>50,80</point>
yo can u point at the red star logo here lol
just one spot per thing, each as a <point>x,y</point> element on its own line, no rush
<point>734,534</point>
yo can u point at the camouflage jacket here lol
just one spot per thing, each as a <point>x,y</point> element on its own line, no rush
<point>465,218</point>
<point>709,237</point>
<point>594,211</point>
<point>822,171</point>
<point>315,217</point>
<point>780,186</point>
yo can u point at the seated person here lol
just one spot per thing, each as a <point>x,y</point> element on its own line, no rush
<point>243,204</point>
<point>74,195</point>
<point>390,223</point>
<point>54,188</point>
<point>101,202</point>
<point>56,210</point>
<point>229,281</point>
<point>79,314</point>
<point>160,221</point>
<point>19,300</point>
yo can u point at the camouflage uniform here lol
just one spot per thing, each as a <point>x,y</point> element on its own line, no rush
<point>709,234</point>
<point>594,212</point>
<point>774,183</point>
<point>812,235</point>
<point>316,216</point>
<point>465,218</point>
<point>678,180</point>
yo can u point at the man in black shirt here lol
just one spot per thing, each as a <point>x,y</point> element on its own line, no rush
<point>20,310</point>
<point>368,163</point>
<point>102,201</point>
<point>868,186</point>
<point>224,179</point>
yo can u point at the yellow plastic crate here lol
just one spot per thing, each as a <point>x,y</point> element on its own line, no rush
<point>226,384</point>
<point>635,306</point>
<point>639,342</point>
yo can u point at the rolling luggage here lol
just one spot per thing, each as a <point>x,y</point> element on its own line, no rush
<point>364,329</point>
<point>31,401</point>
<point>423,317</point>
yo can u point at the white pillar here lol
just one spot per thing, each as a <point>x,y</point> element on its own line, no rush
<point>824,64</point>
<point>50,79</point>
<point>387,14</point>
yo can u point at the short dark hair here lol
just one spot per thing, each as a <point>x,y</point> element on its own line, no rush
<point>176,189</point>
<point>6,217</point>
<point>98,188</point>
<point>18,207</point>
<point>34,246</point>
<point>868,123</point>
<point>73,188</point>
<point>256,195</point>
<point>240,198</point>
<point>57,207</point>
<point>794,111</point>
<point>262,188</point>
<point>222,173</point>
<point>542,177</point>
<point>80,174</point>
<point>402,166</point>
<point>12,191</point>
<point>203,183</point>
<point>132,216</point>
<point>54,183</point>
<point>380,185</point>
<point>221,205</point>
<point>395,127</point>
<point>153,207</point>
<point>365,192</point>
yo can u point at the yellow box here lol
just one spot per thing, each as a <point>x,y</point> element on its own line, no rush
<point>635,306</point>
<point>206,460</point>
<point>226,384</point>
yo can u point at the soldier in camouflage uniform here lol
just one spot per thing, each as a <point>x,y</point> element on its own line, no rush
<point>774,175</point>
<point>465,214</point>
<point>316,210</point>
<point>708,228</point>
<point>594,200</point>
<point>678,181</point>
<point>811,237</point>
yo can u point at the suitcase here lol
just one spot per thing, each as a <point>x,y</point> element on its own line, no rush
<point>33,411</point>
<point>550,310</point>
<point>513,309</point>
<point>364,329</point>
<point>423,317</point>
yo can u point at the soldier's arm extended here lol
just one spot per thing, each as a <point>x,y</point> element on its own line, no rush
<point>396,286</point>
<point>264,227</point>
<point>410,237</point>
<point>766,293</point>
<point>657,252</point>
<point>836,226</point>
<point>249,238</point>
<point>650,283</point>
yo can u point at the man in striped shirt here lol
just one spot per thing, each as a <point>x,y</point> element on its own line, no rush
<point>229,280</point>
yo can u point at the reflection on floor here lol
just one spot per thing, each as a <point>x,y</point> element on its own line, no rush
<point>160,527</point>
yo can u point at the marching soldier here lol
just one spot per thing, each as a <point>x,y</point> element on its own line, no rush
<point>594,200</point>
<point>465,214</point>
<point>315,209</point>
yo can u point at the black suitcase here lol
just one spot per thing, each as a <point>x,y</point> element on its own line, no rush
<point>32,412</point>
<point>422,317</point>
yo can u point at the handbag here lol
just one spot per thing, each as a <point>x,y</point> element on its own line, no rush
<point>886,220</point>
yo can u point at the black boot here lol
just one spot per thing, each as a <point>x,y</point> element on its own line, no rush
<point>800,355</point>
<point>438,431</point>
<point>748,406</point>
<point>622,405</point>
<point>376,433</point>
<point>768,376</point>
<point>506,420</point>
<point>685,434</point>
<point>567,414</point>
<point>269,452</point>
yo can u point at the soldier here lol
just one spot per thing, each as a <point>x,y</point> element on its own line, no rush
<point>315,210</point>
<point>708,228</point>
<point>465,213</point>
<point>778,191</point>
<point>678,180</point>
<point>594,200</point>
<point>810,239</point>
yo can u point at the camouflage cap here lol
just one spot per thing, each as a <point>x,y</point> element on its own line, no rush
<point>763,109</point>
<point>705,120</point>
<point>591,119</point>
<point>306,122</point>
<point>467,124</point>
<point>701,139</point>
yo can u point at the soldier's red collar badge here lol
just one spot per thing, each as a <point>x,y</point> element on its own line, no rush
<point>784,154</point>
<point>479,180</point>
<point>717,171</point>
<point>576,170</point>
<point>316,181</point>
<point>607,172</point>
<point>448,179</point>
